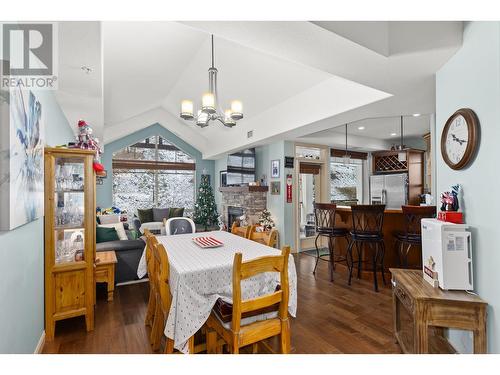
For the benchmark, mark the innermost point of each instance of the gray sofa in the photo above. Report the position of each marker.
(128, 253)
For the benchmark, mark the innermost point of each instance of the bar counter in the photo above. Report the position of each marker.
(394, 221)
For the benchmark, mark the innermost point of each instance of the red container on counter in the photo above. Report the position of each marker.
(451, 217)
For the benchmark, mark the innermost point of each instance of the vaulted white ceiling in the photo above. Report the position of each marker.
(294, 78)
(80, 92)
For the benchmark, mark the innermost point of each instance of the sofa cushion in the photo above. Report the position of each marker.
(160, 213)
(120, 230)
(145, 216)
(120, 245)
(176, 212)
(103, 234)
(108, 219)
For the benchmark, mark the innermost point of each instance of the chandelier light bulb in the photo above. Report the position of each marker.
(227, 117)
(237, 110)
(187, 110)
(202, 119)
(208, 103)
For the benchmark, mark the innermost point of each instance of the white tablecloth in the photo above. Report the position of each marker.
(198, 277)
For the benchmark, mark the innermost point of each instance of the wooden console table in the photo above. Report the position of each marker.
(420, 313)
(105, 270)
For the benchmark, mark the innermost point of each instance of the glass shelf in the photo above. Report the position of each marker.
(70, 227)
(69, 215)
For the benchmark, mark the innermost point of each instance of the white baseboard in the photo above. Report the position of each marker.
(145, 280)
(41, 343)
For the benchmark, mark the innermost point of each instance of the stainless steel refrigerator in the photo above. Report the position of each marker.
(389, 189)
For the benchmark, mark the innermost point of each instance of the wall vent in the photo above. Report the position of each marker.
(250, 134)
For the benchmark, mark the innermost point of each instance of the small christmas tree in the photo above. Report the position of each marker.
(265, 220)
(205, 210)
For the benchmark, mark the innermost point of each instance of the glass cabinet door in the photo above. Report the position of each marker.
(69, 209)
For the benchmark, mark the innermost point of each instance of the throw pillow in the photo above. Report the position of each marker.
(120, 230)
(176, 212)
(155, 228)
(108, 219)
(103, 234)
(145, 216)
(160, 213)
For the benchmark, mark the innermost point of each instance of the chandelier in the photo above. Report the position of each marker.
(210, 110)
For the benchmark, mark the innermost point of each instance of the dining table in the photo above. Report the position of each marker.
(200, 276)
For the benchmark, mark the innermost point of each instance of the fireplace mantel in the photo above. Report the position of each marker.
(243, 189)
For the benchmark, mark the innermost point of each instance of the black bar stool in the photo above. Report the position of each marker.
(324, 214)
(412, 237)
(367, 221)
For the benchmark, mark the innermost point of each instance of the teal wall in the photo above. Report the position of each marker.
(105, 191)
(281, 211)
(471, 78)
(22, 261)
(220, 165)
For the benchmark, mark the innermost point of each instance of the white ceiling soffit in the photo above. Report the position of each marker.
(378, 133)
(397, 37)
(80, 93)
(156, 115)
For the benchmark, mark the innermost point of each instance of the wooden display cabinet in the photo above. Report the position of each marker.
(69, 236)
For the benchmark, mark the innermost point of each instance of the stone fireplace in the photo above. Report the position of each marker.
(243, 200)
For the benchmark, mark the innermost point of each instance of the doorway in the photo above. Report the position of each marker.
(309, 191)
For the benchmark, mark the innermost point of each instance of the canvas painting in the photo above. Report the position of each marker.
(23, 189)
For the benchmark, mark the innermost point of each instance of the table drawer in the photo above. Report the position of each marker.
(403, 296)
(101, 275)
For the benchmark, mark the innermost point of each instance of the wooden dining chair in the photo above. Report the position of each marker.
(238, 333)
(150, 241)
(162, 293)
(268, 238)
(241, 231)
(163, 303)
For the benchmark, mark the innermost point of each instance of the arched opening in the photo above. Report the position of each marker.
(153, 173)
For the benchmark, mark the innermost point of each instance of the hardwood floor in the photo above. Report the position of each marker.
(331, 318)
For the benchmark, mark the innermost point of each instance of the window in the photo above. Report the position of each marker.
(153, 173)
(346, 181)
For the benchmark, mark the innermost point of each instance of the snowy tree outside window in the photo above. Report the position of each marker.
(346, 182)
(142, 179)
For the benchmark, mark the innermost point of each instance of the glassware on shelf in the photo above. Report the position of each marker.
(70, 247)
(69, 210)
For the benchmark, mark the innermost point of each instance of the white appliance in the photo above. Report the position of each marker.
(447, 254)
(389, 189)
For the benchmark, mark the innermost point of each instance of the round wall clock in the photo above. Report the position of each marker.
(459, 140)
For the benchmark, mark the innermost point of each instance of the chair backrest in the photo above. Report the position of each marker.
(162, 269)
(269, 238)
(245, 270)
(150, 263)
(368, 218)
(179, 225)
(241, 231)
(414, 215)
(324, 215)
